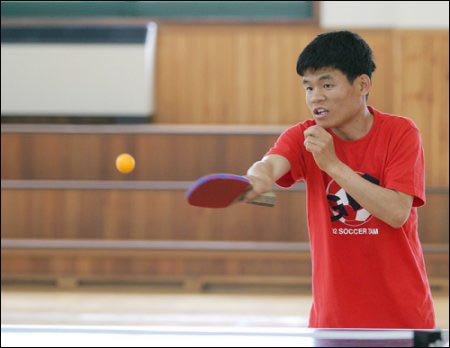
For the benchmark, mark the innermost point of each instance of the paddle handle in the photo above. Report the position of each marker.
(265, 199)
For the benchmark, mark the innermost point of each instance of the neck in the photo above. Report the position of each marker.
(357, 127)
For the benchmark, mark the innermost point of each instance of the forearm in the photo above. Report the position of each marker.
(264, 173)
(385, 204)
(262, 170)
(270, 168)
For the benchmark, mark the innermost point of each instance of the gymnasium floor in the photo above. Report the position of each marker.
(149, 307)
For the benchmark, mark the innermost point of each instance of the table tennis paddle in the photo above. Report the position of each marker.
(221, 190)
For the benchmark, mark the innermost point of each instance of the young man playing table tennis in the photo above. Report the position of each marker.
(364, 173)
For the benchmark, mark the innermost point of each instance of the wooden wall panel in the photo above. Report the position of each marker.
(170, 263)
(146, 215)
(163, 156)
(195, 270)
(433, 219)
(165, 215)
(56, 156)
(420, 88)
(245, 74)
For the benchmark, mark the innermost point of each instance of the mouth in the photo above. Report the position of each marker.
(320, 113)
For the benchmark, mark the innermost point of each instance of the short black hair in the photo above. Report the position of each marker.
(342, 50)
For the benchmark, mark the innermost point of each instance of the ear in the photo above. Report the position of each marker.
(364, 84)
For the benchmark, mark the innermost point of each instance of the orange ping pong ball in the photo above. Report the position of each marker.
(125, 163)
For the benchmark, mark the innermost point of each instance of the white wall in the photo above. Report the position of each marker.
(79, 79)
(384, 14)
(75, 80)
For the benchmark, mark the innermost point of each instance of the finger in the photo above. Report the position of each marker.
(315, 141)
(314, 148)
(251, 193)
(249, 196)
(313, 130)
(309, 132)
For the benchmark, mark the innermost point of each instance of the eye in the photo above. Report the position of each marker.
(308, 88)
(328, 86)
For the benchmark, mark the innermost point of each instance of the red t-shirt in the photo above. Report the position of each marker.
(366, 274)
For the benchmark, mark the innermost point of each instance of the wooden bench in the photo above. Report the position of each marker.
(186, 265)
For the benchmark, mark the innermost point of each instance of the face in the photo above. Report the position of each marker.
(334, 102)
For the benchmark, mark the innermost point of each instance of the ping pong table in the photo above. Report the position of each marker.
(167, 336)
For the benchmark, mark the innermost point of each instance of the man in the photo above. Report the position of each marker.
(364, 173)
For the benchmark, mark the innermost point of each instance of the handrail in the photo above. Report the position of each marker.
(151, 245)
(10, 243)
(146, 129)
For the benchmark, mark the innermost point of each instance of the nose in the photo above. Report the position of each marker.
(316, 96)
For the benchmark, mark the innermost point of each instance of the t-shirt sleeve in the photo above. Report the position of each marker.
(289, 145)
(404, 171)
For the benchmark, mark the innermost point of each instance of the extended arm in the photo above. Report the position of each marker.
(264, 173)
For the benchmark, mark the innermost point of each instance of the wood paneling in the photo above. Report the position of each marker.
(420, 89)
(433, 219)
(56, 156)
(160, 154)
(147, 215)
(162, 218)
(165, 215)
(245, 74)
(193, 269)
